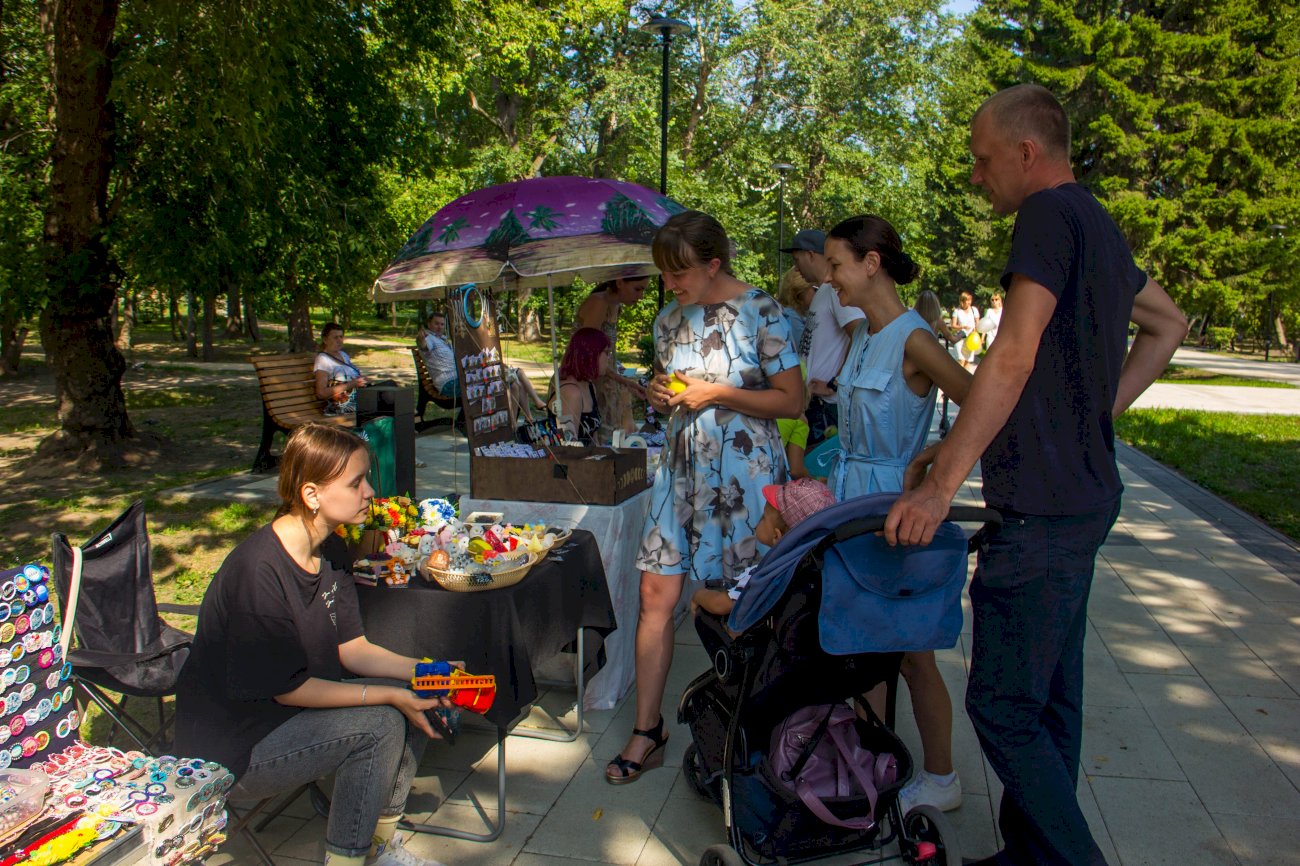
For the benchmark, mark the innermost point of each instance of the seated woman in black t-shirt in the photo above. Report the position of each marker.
(263, 690)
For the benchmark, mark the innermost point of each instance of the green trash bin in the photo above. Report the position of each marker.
(378, 434)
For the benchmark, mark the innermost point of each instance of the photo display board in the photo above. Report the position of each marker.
(489, 417)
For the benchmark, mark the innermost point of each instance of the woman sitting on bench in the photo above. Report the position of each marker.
(337, 378)
(264, 691)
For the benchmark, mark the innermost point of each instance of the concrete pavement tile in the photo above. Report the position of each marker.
(1289, 611)
(1100, 832)
(527, 859)
(1275, 725)
(689, 661)
(238, 849)
(556, 707)
(1261, 841)
(1159, 823)
(1270, 587)
(1228, 769)
(1145, 652)
(1122, 741)
(1104, 684)
(1236, 670)
(974, 823)
(684, 829)
(593, 820)
(1278, 644)
(1111, 604)
(537, 771)
(519, 827)
(306, 843)
(1189, 623)
(1241, 607)
(431, 788)
(966, 756)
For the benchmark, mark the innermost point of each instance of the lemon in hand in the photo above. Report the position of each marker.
(677, 386)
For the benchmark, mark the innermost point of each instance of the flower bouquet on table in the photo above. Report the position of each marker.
(379, 551)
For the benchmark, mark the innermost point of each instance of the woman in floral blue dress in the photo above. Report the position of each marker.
(725, 369)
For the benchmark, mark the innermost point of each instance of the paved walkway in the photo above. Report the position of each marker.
(1192, 729)
(1228, 365)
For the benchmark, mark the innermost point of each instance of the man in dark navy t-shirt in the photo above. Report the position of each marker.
(1040, 413)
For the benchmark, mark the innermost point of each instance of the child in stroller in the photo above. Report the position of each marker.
(787, 505)
(826, 616)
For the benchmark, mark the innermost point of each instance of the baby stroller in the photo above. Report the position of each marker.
(826, 617)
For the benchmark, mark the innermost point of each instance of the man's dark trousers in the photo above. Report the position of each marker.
(1025, 695)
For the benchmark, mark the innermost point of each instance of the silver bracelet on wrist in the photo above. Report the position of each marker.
(363, 694)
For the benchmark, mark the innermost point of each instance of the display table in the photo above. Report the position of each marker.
(563, 604)
(617, 530)
(506, 632)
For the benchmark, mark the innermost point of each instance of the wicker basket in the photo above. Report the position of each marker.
(561, 536)
(464, 581)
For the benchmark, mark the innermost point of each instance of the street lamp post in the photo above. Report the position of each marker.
(666, 28)
(781, 168)
(1277, 230)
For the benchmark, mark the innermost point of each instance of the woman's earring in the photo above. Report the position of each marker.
(315, 511)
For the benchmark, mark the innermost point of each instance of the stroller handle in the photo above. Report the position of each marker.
(990, 519)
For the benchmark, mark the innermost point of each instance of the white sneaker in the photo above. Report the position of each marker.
(397, 855)
(926, 790)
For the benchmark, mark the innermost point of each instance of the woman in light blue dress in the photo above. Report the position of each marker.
(886, 394)
(725, 369)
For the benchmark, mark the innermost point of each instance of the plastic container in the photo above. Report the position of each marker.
(22, 797)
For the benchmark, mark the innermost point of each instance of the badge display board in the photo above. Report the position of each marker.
(489, 417)
(37, 713)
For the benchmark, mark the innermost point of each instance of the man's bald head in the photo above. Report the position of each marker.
(1029, 111)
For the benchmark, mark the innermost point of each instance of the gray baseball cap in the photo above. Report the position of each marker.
(809, 240)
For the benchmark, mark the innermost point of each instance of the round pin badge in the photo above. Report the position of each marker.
(28, 692)
(21, 583)
(44, 708)
(5, 760)
(16, 751)
(29, 747)
(56, 701)
(42, 740)
(45, 658)
(34, 573)
(58, 631)
(74, 717)
(8, 677)
(47, 639)
(4, 611)
(17, 650)
(43, 597)
(30, 717)
(62, 729)
(29, 598)
(6, 632)
(24, 674)
(8, 590)
(16, 725)
(21, 624)
(13, 701)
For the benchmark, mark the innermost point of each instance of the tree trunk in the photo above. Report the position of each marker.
(209, 321)
(191, 325)
(174, 316)
(75, 325)
(234, 321)
(301, 338)
(126, 320)
(250, 319)
(12, 337)
(1279, 329)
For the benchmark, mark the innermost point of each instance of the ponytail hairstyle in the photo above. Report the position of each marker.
(870, 233)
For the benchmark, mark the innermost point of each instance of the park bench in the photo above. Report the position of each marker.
(289, 400)
(428, 393)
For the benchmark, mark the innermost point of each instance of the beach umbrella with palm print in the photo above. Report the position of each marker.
(531, 233)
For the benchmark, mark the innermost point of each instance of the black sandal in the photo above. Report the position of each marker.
(630, 771)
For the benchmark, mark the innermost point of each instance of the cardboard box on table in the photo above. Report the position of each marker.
(577, 474)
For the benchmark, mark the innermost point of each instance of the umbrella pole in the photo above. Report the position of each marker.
(555, 363)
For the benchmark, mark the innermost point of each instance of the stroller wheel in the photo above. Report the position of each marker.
(929, 838)
(721, 855)
(696, 776)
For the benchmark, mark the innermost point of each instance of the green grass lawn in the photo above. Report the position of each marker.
(1253, 461)
(1178, 375)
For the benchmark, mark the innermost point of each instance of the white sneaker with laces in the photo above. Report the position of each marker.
(926, 790)
(397, 855)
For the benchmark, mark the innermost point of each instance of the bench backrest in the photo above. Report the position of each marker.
(288, 387)
(422, 370)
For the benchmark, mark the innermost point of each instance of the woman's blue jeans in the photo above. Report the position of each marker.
(372, 751)
(1025, 694)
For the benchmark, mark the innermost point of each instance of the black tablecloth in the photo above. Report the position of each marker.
(506, 632)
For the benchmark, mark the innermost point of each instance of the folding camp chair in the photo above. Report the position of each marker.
(106, 598)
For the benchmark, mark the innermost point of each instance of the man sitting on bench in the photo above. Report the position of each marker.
(440, 359)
